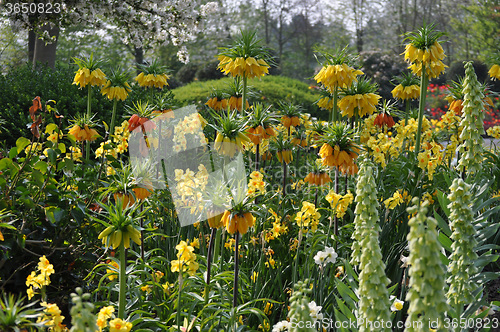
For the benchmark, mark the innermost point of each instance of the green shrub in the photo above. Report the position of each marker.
(270, 89)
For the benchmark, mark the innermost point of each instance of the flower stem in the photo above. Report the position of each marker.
(423, 93)
(113, 117)
(336, 219)
(244, 95)
(236, 270)
(122, 294)
(89, 97)
(333, 114)
(284, 174)
(178, 313)
(213, 233)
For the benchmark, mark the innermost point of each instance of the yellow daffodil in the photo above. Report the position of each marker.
(119, 325)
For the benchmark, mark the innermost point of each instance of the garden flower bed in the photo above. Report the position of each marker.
(242, 215)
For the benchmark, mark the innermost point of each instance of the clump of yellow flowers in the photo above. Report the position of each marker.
(41, 279)
(339, 203)
(186, 259)
(308, 216)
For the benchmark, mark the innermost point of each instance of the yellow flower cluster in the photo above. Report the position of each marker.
(186, 259)
(430, 57)
(190, 187)
(494, 72)
(152, 80)
(191, 124)
(116, 92)
(119, 325)
(406, 92)
(360, 104)
(37, 281)
(52, 317)
(256, 185)
(102, 317)
(121, 137)
(249, 67)
(308, 216)
(278, 227)
(33, 148)
(430, 158)
(333, 76)
(74, 154)
(339, 203)
(494, 132)
(397, 198)
(113, 270)
(85, 77)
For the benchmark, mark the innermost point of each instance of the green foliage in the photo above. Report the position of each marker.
(270, 89)
(15, 316)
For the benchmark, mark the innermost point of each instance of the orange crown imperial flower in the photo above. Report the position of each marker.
(83, 134)
(238, 222)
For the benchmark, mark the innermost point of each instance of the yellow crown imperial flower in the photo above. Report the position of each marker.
(116, 92)
(246, 59)
(359, 99)
(340, 75)
(152, 76)
(424, 49)
(88, 72)
(494, 72)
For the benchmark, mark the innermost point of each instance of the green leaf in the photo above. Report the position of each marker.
(443, 225)
(62, 147)
(21, 143)
(54, 214)
(445, 241)
(52, 155)
(37, 177)
(41, 166)
(50, 128)
(13, 153)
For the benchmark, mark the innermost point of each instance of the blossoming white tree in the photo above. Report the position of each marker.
(170, 21)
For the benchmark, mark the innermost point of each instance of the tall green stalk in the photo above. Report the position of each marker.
(244, 94)
(122, 282)
(333, 114)
(113, 117)
(89, 98)
(178, 313)
(423, 94)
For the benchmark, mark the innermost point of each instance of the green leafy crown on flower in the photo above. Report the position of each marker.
(424, 37)
(247, 45)
(407, 79)
(338, 57)
(341, 134)
(90, 63)
(363, 86)
(119, 77)
(154, 68)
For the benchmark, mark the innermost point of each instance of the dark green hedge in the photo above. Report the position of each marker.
(269, 89)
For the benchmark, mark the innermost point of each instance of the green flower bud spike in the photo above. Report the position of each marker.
(366, 212)
(299, 308)
(426, 293)
(461, 268)
(472, 122)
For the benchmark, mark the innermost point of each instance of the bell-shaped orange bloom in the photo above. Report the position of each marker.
(238, 222)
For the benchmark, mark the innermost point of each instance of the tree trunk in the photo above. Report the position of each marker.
(139, 57)
(46, 53)
(31, 45)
